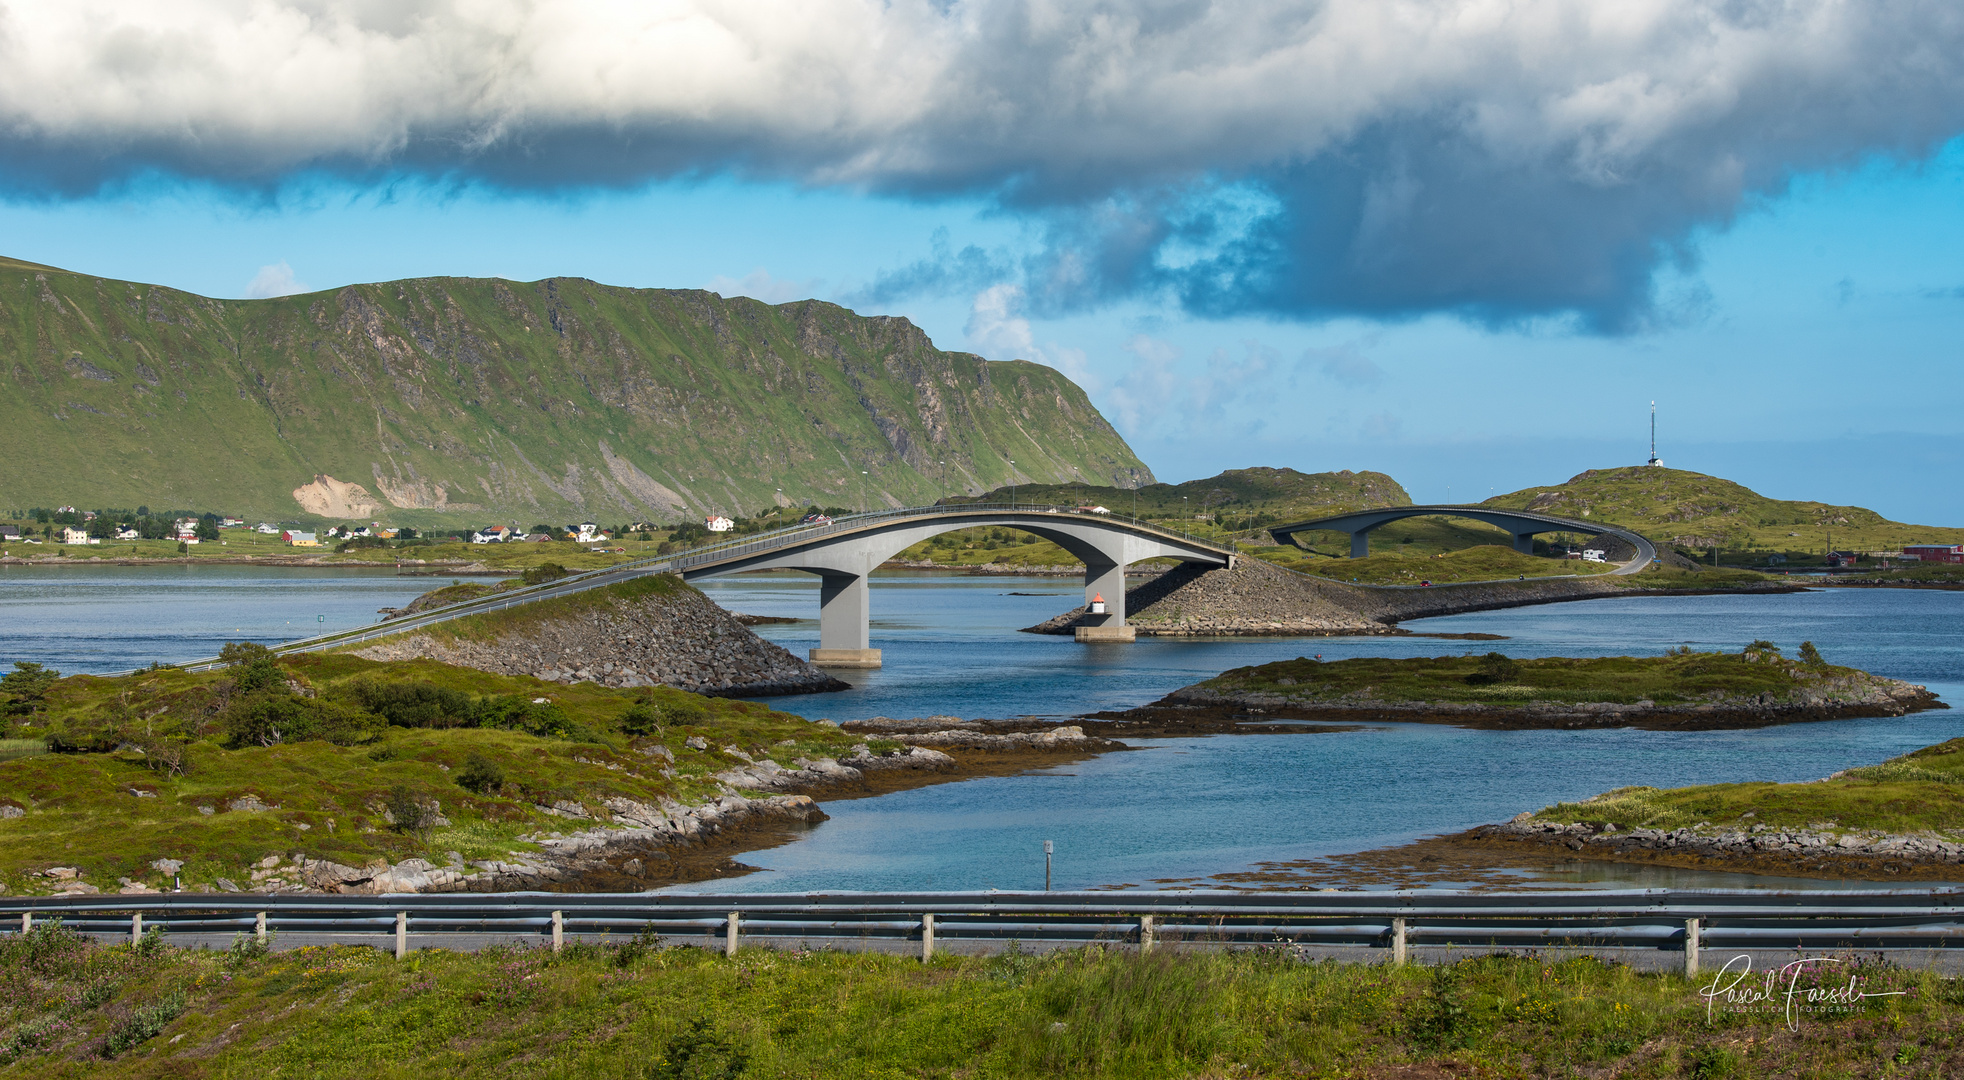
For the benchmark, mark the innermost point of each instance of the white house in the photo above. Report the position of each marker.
(128, 534)
(70, 535)
(269, 530)
(718, 523)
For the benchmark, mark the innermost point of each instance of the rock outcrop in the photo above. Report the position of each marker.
(623, 635)
(1760, 848)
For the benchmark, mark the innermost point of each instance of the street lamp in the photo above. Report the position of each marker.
(1012, 481)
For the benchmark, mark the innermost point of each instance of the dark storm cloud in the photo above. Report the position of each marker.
(1499, 159)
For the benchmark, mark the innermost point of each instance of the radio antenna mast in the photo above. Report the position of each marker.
(1654, 459)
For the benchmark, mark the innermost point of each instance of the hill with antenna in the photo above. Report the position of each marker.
(1692, 510)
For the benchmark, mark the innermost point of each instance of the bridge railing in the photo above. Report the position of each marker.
(1371, 925)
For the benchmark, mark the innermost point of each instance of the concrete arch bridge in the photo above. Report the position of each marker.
(844, 553)
(1523, 525)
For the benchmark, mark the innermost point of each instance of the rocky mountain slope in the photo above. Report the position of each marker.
(437, 400)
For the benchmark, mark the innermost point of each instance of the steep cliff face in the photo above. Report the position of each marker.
(446, 396)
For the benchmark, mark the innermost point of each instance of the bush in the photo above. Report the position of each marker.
(411, 814)
(479, 775)
(254, 667)
(142, 1025)
(27, 685)
(1810, 655)
(268, 719)
(416, 705)
(1494, 668)
(544, 572)
(641, 719)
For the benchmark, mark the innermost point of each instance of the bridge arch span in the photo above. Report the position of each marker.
(1523, 525)
(844, 555)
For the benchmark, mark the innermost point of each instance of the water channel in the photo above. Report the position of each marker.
(1174, 810)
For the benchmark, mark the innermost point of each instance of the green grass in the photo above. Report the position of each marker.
(1695, 511)
(627, 1010)
(1234, 502)
(500, 396)
(1920, 791)
(81, 811)
(1396, 567)
(493, 625)
(1677, 678)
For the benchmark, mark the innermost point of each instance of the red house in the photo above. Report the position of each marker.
(1951, 553)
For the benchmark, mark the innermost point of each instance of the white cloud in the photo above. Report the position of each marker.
(1377, 156)
(274, 280)
(760, 285)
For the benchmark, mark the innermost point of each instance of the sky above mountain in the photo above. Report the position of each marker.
(1466, 243)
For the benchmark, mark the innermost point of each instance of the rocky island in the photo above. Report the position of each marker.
(1680, 690)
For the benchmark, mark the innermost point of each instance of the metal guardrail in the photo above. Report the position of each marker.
(693, 559)
(1666, 921)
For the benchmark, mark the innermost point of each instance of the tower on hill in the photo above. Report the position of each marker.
(1654, 459)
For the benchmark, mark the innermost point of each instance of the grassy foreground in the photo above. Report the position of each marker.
(634, 1009)
(1676, 678)
(154, 763)
(1922, 791)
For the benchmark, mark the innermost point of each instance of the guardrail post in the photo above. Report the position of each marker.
(1690, 948)
(558, 930)
(136, 928)
(259, 927)
(402, 934)
(927, 937)
(26, 922)
(730, 935)
(1147, 927)
(1398, 942)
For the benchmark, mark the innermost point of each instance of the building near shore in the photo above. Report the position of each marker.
(1941, 553)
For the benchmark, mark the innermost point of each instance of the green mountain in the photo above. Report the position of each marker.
(1688, 509)
(448, 400)
(1237, 498)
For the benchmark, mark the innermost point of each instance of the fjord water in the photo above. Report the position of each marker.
(1183, 809)
(1175, 808)
(95, 619)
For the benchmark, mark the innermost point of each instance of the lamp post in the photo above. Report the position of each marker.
(1012, 481)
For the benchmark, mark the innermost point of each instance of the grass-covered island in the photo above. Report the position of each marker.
(1682, 689)
(1901, 819)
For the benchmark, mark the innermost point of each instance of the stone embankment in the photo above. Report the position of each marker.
(1838, 698)
(1254, 598)
(1815, 850)
(952, 732)
(678, 638)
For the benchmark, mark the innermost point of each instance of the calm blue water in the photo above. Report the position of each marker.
(113, 618)
(1174, 809)
(1188, 808)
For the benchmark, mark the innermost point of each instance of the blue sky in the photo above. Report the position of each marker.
(1472, 306)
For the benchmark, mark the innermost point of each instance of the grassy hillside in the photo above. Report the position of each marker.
(448, 400)
(1692, 510)
(1236, 500)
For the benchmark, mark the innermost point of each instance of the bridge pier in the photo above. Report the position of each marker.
(1524, 543)
(1104, 578)
(1360, 544)
(844, 619)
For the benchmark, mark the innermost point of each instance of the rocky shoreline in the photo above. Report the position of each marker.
(677, 637)
(1874, 696)
(1816, 851)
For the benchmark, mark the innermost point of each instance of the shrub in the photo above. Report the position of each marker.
(268, 719)
(1494, 668)
(412, 814)
(1810, 655)
(254, 667)
(641, 718)
(415, 705)
(142, 1025)
(27, 685)
(544, 572)
(479, 775)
